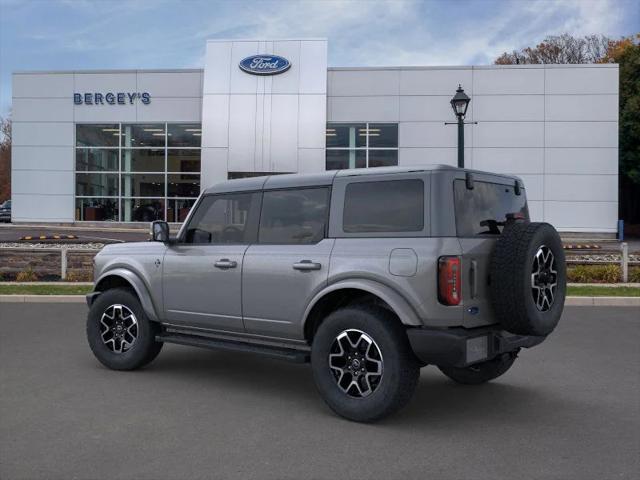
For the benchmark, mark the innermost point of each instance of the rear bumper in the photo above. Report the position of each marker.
(460, 347)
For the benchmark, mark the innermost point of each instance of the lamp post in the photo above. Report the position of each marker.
(460, 103)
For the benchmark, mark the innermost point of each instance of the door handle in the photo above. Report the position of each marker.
(225, 263)
(306, 265)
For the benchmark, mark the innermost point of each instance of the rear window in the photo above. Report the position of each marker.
(384, 206)
(483, 210)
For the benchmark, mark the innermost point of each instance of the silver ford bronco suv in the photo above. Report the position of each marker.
(368, 274)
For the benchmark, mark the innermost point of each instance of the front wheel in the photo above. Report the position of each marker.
(481, 372)
(119, 333)
(362, 363)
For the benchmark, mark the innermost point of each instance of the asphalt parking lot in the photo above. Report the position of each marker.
(568, 409)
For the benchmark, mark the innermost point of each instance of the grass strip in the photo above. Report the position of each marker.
(597, 291)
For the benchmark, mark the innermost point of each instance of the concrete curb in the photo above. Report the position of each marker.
(603, 301)
(570, 301)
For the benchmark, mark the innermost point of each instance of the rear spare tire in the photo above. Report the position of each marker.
(528, 278)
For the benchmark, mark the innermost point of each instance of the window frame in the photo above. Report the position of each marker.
(253, 220)
(325, 233)
(336, 219)
(366, 148)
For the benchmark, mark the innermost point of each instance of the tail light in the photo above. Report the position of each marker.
(449, 280)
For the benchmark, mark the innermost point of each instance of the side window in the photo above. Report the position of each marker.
(483, 210)
(223, 219)
(294, 216)
(384, 206)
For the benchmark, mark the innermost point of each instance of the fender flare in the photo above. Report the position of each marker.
(397, 302)
(138, 285)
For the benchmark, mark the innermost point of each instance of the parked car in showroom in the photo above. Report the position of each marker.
(368, 274)
(5, 211)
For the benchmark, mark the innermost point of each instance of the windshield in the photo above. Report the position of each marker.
(483, 210)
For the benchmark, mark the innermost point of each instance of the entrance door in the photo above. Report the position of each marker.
(202, 275)
(290, 262)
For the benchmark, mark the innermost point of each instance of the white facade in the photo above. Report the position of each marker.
(556, 126)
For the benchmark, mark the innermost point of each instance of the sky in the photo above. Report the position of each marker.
(110, 34)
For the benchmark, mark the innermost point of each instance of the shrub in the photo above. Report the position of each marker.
(634, 274)
(594, 273)
(80, 276)
(27, 275)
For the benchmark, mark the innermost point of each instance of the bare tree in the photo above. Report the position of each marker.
(5, 159)
(563, 48)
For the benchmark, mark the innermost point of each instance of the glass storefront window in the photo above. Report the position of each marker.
(178, 209)
(346, 135)
(105, 135)
(139, 167)
(96, 184)
(184, 135)
(96, 209)
(143, 135)
(143, 160)
(186, 161)
(361, 145)
(142, 209)
(96, 160)
(344, 159)
(143, 185)
(181, 185)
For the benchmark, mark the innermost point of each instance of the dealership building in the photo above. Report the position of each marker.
(136, 145)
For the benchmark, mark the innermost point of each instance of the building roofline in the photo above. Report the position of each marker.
(104, 71)
(479, 67)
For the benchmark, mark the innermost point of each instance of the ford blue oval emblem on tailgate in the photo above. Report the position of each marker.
(265, 64)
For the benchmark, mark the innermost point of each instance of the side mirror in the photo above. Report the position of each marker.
(160, 231)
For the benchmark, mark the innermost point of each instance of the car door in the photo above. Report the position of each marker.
(202, 272)
(290, 262)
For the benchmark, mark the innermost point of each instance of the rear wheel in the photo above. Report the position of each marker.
(119, 333)
(481, 372)
(362, 363)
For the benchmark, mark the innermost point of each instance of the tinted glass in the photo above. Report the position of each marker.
(147, 135)
(96, 209)
(96, 184)
(383, 158)
(344, 159)
(383, 135)
(224, 219)
(183, 185)
(142, 209)
(104, 135)
(143, 185)
(184, 135)
(146, 160)
(96, 159)
(346, 135)
(183, 161)
(387, 206)
(483, 210)
(294, 216)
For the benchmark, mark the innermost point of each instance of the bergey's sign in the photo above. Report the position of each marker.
(265, 64)
(110, 98)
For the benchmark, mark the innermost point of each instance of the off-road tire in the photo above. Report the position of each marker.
(511, 292)
(480, 372)
(400, 367)
(142, 351)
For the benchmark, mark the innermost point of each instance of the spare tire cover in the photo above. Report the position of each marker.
(528, 278)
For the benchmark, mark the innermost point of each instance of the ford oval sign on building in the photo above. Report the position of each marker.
(265, 64)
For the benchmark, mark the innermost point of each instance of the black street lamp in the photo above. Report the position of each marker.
(460, 103)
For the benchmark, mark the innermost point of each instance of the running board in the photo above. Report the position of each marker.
(288, 354)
